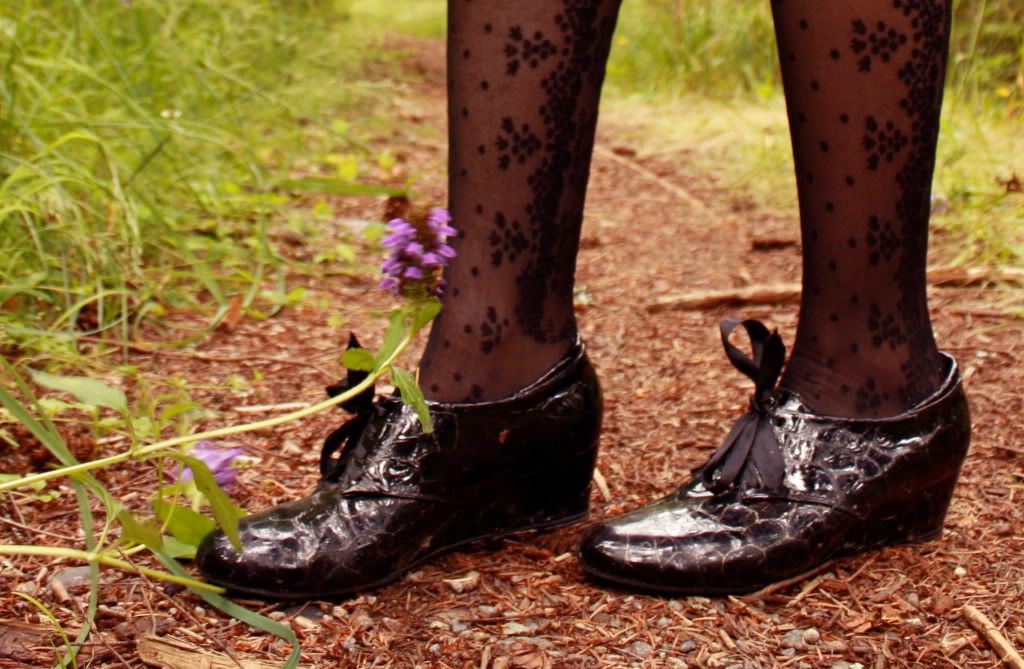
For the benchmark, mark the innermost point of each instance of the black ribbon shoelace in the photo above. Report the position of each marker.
(750, 457)
(361, 406)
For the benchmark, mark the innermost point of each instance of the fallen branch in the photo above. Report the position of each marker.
(788, 293)
(602, 485)
(972, 276)
(1004, 649)
(169, 653)
(782, 585)
(777, 293)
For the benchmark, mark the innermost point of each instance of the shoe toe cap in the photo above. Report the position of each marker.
(670, 550)
(271, 562)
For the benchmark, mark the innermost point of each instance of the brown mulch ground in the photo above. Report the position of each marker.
(670, 393)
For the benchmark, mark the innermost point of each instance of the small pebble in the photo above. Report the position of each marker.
(793, 639)
(642, 649)
(811, 636)
(914, 600)
(72, 576)
(466, 583)
(276, 615)
(339, 612)
(675, 605)
(960, 571)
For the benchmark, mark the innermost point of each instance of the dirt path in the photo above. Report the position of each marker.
(670, 394)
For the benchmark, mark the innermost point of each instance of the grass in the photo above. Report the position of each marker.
(704, 78)
(143, 146)
(147, 148)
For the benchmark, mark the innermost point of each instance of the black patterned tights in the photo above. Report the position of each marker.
(524, 79)
(863, 82)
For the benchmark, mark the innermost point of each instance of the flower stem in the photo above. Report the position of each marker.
(104, 559)
(145, 451)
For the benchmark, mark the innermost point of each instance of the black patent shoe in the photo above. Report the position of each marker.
(396, 496)
(789, 489)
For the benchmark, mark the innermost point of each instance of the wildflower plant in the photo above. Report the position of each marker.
(190, 499)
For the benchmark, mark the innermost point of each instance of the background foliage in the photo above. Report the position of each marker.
(145, 145)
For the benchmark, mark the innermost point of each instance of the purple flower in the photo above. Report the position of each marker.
(417, 253)
(217, 458)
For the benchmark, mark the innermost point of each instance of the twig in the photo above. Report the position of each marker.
(782, 585)
(678, 191)
(787, 293)
(970, 276)
(777, 293)
(806, 590)
(176, 654)
(602, 485)
(1003, 648)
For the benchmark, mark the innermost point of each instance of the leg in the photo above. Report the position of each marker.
(863, 85)
(795, 482)
(524, 83)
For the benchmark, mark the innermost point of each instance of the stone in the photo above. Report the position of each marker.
(72, 576)
(466, 583)
(811, 636)
(641, 649)
(793, 639)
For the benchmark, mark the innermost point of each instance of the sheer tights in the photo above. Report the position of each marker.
(863, 82)
(523, 87)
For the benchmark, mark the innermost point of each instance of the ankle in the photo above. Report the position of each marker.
(455, 372)
(873, 386)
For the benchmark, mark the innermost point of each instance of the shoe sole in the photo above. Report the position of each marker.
(716, 592)
(396, 576)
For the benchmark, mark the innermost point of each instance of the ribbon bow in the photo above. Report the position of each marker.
(750, 454)
(361, 406)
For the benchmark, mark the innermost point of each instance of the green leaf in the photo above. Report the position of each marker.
(412, 395)
(188, 526)
(426, 312)
(179, 550)
(140, 531)
(358, 359)
(177, 409)
(86, 390)
(392, 337)
(225, 512)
